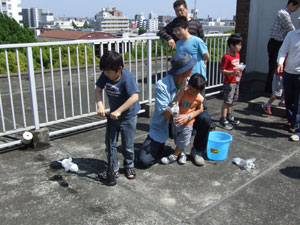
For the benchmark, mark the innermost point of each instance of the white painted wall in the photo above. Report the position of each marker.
(262, 13)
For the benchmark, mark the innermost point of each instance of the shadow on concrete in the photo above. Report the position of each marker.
(258, 128)
(249, 113)
(90, 166)
(291, 172)
(261, 129)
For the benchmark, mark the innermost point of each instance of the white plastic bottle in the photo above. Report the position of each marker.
(175, 110)
(69, 165)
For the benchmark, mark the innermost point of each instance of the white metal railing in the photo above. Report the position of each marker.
(59, 81)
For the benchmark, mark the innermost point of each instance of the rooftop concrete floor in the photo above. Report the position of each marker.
(217, 193)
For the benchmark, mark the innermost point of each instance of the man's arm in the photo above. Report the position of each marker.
(196, 29)
(166, 34)
(201, 31)
(282, 52)
(162, 100)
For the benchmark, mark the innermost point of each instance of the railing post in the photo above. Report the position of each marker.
(33, 88)
(149, 70)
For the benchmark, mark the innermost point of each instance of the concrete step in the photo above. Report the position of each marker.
(256, 105)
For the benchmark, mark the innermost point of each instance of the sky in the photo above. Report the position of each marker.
(225, 9)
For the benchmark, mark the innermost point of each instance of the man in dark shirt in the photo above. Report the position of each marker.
(195, 27)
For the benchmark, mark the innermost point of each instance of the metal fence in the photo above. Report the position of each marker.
(51, 84)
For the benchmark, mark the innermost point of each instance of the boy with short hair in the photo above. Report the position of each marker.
(232, 73)
(122, 92)
(190, 101)
(193, 45)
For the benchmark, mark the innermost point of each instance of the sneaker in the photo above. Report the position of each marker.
(225, 124)
(182, 158)
(294, 137)
(198, 159)
(168, 160)
(232, 120)
(267, 109)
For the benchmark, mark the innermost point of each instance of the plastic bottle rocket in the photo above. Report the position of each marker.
(69, 165)
(175, 109)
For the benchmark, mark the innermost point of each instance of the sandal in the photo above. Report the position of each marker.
(60, 180)
(294, 137)
(103, 175)
(130, 173)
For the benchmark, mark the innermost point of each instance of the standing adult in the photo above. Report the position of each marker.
(282, 24)
(291, 79)
(165, 94)
(195, 27)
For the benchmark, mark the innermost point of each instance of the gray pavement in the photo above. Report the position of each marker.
(217, 193)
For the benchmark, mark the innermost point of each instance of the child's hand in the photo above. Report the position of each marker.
(101, 111)
(237, 73)
(115, 115)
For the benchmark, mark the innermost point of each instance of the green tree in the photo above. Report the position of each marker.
(74, 25)
(142, 30)
(86, 25)
(229, 31)
(11, 32)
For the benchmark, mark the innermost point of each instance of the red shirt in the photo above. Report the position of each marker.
(230, 63)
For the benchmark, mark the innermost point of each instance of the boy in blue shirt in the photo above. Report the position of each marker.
(193, 45)
(122, 92)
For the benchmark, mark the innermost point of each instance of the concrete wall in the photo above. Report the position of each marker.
(261, 17)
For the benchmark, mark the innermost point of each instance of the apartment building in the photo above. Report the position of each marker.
(12, 8)
(150, 24)
(111, 22)
(32, 17)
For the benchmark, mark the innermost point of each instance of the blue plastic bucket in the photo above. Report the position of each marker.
(218, 145)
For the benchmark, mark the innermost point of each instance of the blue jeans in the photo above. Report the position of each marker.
(127, 128)
(149, 153)
(151, 150)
